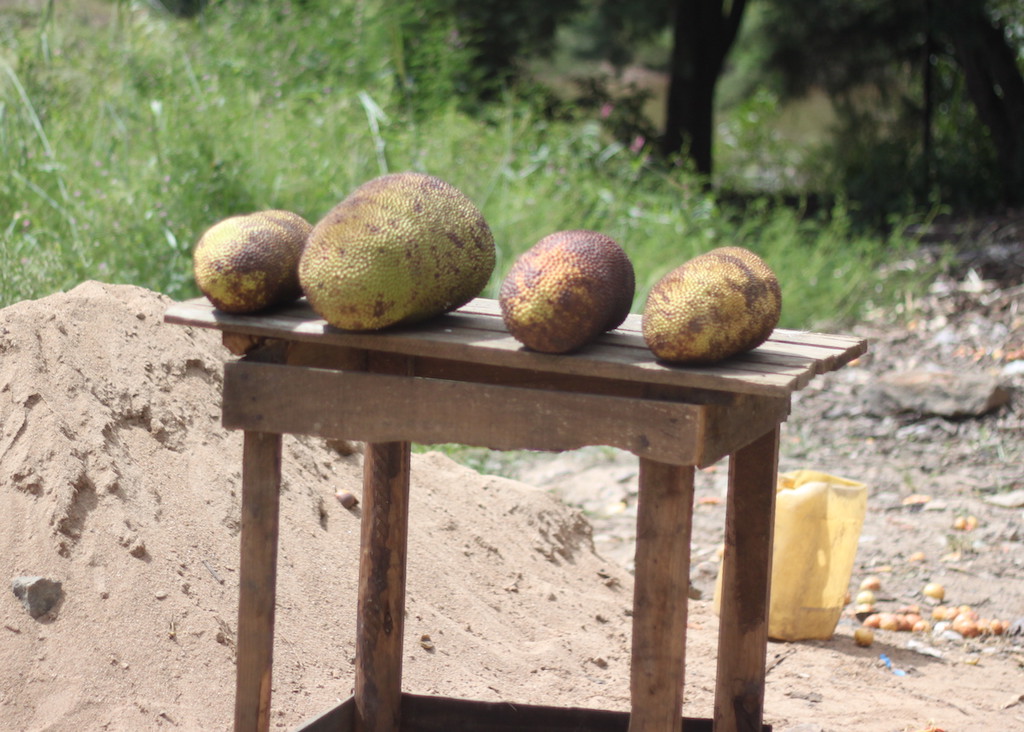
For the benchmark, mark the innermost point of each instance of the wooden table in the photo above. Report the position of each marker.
(462, 378)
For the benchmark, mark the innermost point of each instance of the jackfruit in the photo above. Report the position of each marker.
(400, 248)
(250, 262)
(566, 290)
(714, 306)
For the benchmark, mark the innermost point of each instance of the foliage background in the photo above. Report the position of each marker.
(126, 131)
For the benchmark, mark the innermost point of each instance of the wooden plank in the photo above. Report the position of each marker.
(482, 306)
(746, 576)
(629, 351)
(736, 426)
(633, 325)
(439, 714)
(534, 379)
(834, 340)
(660, 593)
(380, 618)
(261, 480)
(382, 408)
(319, 355)
(336, 719)
(816, 359)
(629, 347)
(446, 714)
(820, 351)
(619, 355)
(814, 355)
(479, 315)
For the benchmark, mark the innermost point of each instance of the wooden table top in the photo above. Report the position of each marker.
(476, 334)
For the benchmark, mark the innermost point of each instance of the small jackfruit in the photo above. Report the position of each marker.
(250, 262)
(566, 290)
(714, 306)
(400, 248)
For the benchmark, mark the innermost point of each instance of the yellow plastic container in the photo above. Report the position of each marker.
(818, 518)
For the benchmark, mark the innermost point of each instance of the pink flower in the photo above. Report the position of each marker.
(606, 110)
(638, 144)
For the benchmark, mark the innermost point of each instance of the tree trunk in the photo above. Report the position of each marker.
(996, 87)
(184, 8)
(928, 88)
(702, 36)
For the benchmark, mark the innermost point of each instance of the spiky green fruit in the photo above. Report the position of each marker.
(714, 306)
(401, 248)
(250, 262)
(566, 290)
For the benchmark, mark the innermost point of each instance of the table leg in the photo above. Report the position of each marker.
(261, 481)
(382, 566)
(746, 577)
(660, 595)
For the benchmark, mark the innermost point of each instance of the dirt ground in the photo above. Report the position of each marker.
(117, 480)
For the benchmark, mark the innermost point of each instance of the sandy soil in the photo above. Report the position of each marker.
(117, 480)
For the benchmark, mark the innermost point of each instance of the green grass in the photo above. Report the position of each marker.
(503, 463)
(122, 141)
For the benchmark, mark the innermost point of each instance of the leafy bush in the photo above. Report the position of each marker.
(114, 176)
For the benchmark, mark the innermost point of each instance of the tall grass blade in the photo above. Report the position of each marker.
(374, 117)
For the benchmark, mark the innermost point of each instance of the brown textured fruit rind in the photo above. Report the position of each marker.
(247, 263)
(566, 290)
(399, 249)
(714, 306)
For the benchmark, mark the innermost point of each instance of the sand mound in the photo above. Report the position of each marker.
(117, 480)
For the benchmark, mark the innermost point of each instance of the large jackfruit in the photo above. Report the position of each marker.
(714, 306)
(400, 248)
(250, 262)
(566, 290)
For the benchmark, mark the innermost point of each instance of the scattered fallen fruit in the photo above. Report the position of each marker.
(965, 523)
(943, 612)
(967, 611)
(908, 620)
(966, 627)
(863, 637)
(962, 620)
(888, 621)
(935, 591)
(872, 583)
(916, 499)
(865, 597)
